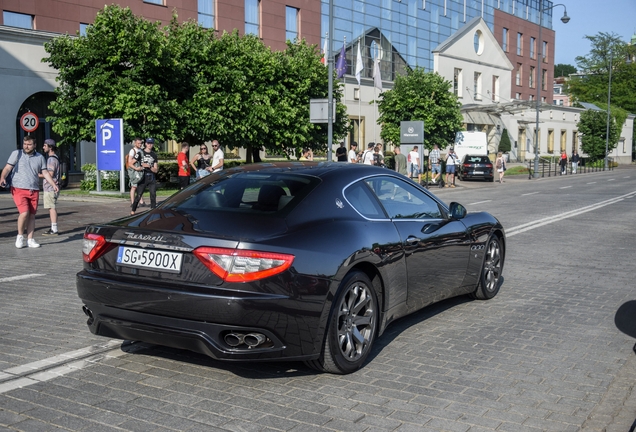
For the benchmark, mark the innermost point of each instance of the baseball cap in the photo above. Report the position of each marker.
(150, 140)
(49, 142)
(452, 149)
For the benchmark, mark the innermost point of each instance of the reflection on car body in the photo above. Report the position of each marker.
(298, 261)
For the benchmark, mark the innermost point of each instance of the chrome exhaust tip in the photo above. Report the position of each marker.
(254, 339)
(89, 314)
(234, 339)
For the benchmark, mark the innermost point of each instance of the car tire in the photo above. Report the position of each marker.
(491, 180)
(352, 326)
(491, 271)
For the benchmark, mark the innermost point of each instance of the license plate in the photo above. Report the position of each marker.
(149, 258)
(478, 172)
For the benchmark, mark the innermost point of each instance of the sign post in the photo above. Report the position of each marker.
(29, 122)
(412, 132)
(110, 149)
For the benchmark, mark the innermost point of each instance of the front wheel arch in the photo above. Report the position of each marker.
(490, 275)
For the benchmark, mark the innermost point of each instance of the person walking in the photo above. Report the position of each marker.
(184, 165)
(50, 195)
(201, 162)
(451, 161)
(500, 164)
(149, 161)
(434, 159)
(414, 160)
(563, 162)
(25, 166)
(400, 162)
(217, 157)
(135, 172)
(575, 161)
(353, 153)
(341, 153)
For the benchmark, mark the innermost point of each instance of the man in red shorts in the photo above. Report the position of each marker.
(25, 166)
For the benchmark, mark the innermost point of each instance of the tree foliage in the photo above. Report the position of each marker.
(183, 82)
(593, 127)
(421, 96)
(593, 84)
(504, 143)
(563, 70)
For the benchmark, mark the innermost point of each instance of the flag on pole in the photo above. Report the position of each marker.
(377, 79)
(359, 66)
(323, 60)
(341, 64)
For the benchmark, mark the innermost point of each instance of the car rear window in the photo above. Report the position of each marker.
(254, 192)
(477, 159)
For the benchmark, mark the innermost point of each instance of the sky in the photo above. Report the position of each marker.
(589, 17)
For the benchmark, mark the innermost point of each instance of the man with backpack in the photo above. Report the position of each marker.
(50, 195)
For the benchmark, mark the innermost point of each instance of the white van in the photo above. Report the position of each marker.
(470, 142)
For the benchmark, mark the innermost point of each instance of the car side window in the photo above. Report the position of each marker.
(362, 199)
(402, 200)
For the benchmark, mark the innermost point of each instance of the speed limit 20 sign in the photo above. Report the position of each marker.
(29, 122)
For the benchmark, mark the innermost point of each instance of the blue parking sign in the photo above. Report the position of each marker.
(110, 144)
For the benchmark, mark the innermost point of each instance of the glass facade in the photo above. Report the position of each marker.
(405, 32)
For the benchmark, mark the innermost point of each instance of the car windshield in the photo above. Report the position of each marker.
(253, 192)
(477, 159)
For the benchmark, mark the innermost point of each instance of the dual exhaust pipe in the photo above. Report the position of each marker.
(252, 340)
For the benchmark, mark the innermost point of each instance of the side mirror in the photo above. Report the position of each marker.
(457, 211)
(625, 318)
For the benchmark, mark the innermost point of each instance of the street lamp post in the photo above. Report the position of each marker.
(539, 81)
(609, 95)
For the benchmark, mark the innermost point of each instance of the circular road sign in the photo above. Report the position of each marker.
(29, 122)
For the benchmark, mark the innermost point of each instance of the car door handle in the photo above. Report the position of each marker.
(411, 240)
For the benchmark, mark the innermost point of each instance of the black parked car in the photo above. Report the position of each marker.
(476, 167)
(298, 261)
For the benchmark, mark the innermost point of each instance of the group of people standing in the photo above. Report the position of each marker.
(143, 164)
(22, 172)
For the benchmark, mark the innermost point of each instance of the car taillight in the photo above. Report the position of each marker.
(467, 165)
(235, 265)
(489, 165)
(93, 246)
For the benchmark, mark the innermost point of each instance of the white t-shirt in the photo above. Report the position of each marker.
(415, 157)
(216, 158)
(353, 158)
(367, 157)
(132, 153)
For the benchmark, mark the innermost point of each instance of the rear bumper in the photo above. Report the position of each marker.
(130, 312)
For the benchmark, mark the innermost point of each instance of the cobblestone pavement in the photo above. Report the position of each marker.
(543, 355)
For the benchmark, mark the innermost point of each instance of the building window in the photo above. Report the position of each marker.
(531, 97)
(82, 29)
(532, 46)
(531, 77)
(13, 19)
(477, 85)
(505, 39)
(544, 79)
(478, 42)
(205, 9)
(252, 13)
(291, 23)
(518, 76)
(544, 51)
(518, 96)
(519, 44)
(495, 88)
(458, 82)
(550, 140)
(159, 2)
(574, 141)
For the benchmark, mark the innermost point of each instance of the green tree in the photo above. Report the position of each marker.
(504, 143)
(117, 71)
(183, 82)
(592, 84)
(593, 127)
(563, 70)
(421, 96)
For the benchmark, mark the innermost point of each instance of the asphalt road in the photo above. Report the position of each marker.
(544, 355)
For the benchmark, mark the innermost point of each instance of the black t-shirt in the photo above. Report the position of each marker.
(147, 158)
(341, 154)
